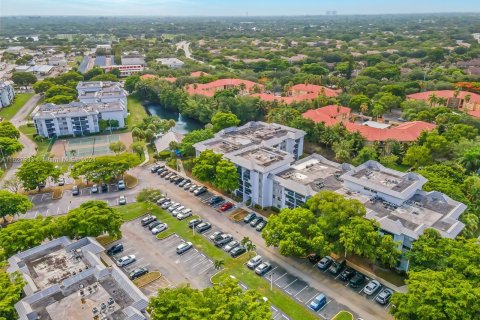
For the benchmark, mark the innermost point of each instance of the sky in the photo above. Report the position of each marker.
(229, 7)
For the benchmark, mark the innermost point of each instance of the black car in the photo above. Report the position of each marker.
(357, 280)
(154, 168)
(117, 248)
(200, 191)
(235, 252)
(250, 217)
(161, 170)
(137, 273)
(215, 200)
(178, 180)
(261, 225)
(194, 222)
(223, 240)
(347, 274)
(324, 263)
(147, 220)
(202, 227)
(256, 221)
(104, 187)
(314, 258)
(337, 267)
(153, 224)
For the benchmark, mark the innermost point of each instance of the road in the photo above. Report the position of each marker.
(28, 145)
(185, 46)
(298, 268)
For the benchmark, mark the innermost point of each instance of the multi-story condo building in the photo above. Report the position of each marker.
(101, 91)
(271, 174)
(7, 94)
(76, 118)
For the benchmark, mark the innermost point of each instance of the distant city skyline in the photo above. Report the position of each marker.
(228, 8)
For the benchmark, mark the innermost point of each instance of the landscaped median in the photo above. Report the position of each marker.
(147, 279)
(235, 267)
(343, 315)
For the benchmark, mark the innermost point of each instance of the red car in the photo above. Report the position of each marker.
(226, 206)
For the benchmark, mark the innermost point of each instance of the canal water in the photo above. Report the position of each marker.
(182, 124)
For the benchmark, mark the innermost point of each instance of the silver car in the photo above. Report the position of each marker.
(167, 204)
(178, 210)
(231, 245)
(184, 214)
(126, 260)
(254, 262)
(173, 206)
(161, 227)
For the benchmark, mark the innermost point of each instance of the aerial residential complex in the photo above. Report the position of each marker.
(271, 174)
(98, 101)
(7, 94)
(67, 280)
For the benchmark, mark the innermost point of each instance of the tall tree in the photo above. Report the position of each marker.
(104, 168)
(12, 204)
(8, 130)
(12, 289)
(117, 147)
(222, 120)
(360, 236)
(35, 171)
(205, 165)
(226, 175)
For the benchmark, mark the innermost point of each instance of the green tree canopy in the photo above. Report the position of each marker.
(186, 146)
(34, 171)
(117, 147)
(104, 168)
(222, 120)
(8, 130)
(226, 175)
(12, 289)
(9, 146)
(205, 165)
(23, 78)
(12, 203)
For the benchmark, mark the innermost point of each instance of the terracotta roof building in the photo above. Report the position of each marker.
(472, 106)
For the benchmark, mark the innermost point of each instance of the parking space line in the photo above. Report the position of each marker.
(289, 285)
(196, 254)
(205, 270)
(265, 275)
(280, 277)
(379, 290)
(363, 288)
(300, 291)
(198, 263)
(311, 298)
(388, 305)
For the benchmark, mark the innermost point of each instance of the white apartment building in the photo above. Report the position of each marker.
(75, 118)
(271, 174)
(172, 63)
(7, 93)
(102, 92)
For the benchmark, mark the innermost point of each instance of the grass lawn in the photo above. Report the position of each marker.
(232, 266)
(134, 210)
(20, 99)
(105, 240)
(41, 145)
(136, 110)
(343, 315)
(146, 279)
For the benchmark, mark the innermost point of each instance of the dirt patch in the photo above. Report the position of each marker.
(238, 215)
(130, 181)
(146, 279)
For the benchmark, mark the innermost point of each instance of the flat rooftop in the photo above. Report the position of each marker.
(385, 179)
(263, 156)
(54, 267)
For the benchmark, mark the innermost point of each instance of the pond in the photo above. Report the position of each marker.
(183, 124)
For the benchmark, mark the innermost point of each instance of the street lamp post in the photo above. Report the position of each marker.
(271, 280)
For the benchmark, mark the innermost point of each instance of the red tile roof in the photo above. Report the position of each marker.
(474, 113)
(475, 98)
(197, 74)
(314, 89)
(406, 132)
(148, 76)
(209, 89)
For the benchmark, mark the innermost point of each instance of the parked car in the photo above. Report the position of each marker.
(104, 187)
(165, 173)
(215, 235)
(154, 168)
(172, 178)
(137, 273)
(347, 274)
(200, 191)
(187, 186)
(232, 244)
(178, 210)
(384, 296)
(202, 227)
(324, 263)
(162, 200)
(95, 188)
(116, 248)
(314, 258)
(194, 222)
(147, 220)
(337, 267)
(192, 188)
(167, 204)
(184, 247)
(121, 185)
(168, 175)
(61, 181)
(41, 185)
(122, 200)
(256, 221)
(263, 268)
(161, 227)
(126, 260)
(153, 224)
(184, 214)
(357, 280)
(178, 180)
(75, 191)
(183, 183)
(371, 287)
(261, 225)
(215, 200)
(226, 206)
(318, 303)
(223, 240)
(251, 216)
(174, 206)
(161, 170)
(254, 262)
(237, 251)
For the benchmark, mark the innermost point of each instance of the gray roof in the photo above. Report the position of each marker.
(74, 109)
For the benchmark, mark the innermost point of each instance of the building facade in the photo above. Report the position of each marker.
(7, 93)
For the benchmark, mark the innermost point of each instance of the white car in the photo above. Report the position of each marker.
(254, 262)
(231, 245)
(178, 210)
(173, 206)
(126, 260)
(122, 200)
(184, 214)
(161, 227)
(371, 287)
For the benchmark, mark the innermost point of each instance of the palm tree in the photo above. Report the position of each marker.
(218, 264)
(442, 101)
(73, 152)
(432, 99)
(248, 244)
(456, 93)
